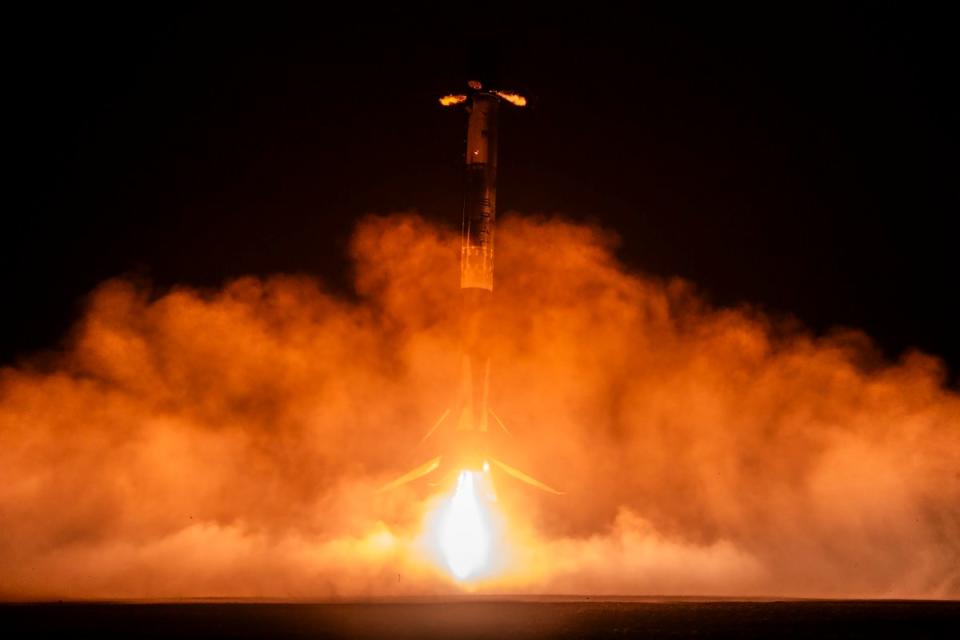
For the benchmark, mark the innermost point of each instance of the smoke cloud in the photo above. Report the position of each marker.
(230, 442)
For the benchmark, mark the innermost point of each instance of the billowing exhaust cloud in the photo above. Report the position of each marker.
(230, 442)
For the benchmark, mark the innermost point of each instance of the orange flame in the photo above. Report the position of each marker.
(452, 99)
(515, 99)
(465, 536)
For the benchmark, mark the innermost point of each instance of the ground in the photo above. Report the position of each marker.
(490, 618)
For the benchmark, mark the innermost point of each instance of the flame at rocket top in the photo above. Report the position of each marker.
(515, 99)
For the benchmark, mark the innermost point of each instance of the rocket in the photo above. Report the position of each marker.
(469, 446)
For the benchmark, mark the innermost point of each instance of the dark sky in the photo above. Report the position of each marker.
(802, 159)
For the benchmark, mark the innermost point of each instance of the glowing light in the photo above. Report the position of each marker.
(465, 533)
(452, 99)
(515, 99)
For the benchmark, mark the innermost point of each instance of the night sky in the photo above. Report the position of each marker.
(801, 159)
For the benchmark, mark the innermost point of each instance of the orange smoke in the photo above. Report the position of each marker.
(229, 442)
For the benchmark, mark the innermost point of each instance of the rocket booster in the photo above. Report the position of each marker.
(470, 412)
(480, 188)
(476, 259)
(480, 194)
